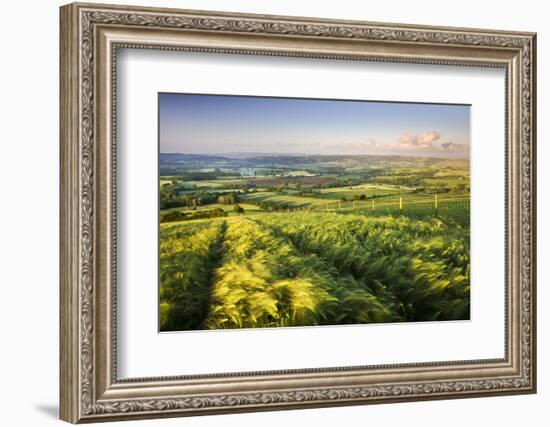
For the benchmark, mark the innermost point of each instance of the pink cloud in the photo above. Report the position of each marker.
(422, 144)
(424, 140)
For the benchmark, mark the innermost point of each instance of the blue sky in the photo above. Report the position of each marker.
(218, 124)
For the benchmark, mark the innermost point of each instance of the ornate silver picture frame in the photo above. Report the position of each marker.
(91, 34)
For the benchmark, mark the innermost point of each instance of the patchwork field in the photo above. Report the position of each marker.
(267, 241)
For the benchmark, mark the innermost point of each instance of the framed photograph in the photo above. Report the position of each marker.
(266, 212)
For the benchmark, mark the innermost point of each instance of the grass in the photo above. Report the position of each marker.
(311, 268)
(410, 199)
(448, 181)
(292, 259)
(184, 292)
(214, 183)
(283, 200)
(228, 208)
(368, 190)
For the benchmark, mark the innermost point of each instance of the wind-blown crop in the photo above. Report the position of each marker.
(303, 269)
(187, 256)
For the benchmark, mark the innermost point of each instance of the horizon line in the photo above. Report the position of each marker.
(312, 154)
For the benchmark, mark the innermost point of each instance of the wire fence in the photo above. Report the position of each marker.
(398, 204)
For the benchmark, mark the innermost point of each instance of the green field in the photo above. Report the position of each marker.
(220, 183)
(409, 199)
(303, 269)
(281, 240)
(286, 200)
(368, 190)
(228, 208)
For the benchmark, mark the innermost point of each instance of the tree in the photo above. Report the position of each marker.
(169, 197)
(227, 199)
(238, 209)
(460, 188)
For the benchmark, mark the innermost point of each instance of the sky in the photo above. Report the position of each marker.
(223, 124)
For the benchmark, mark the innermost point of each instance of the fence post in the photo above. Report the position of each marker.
(400, 203)
(339, 206)
(372, 204)
(435, 199)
